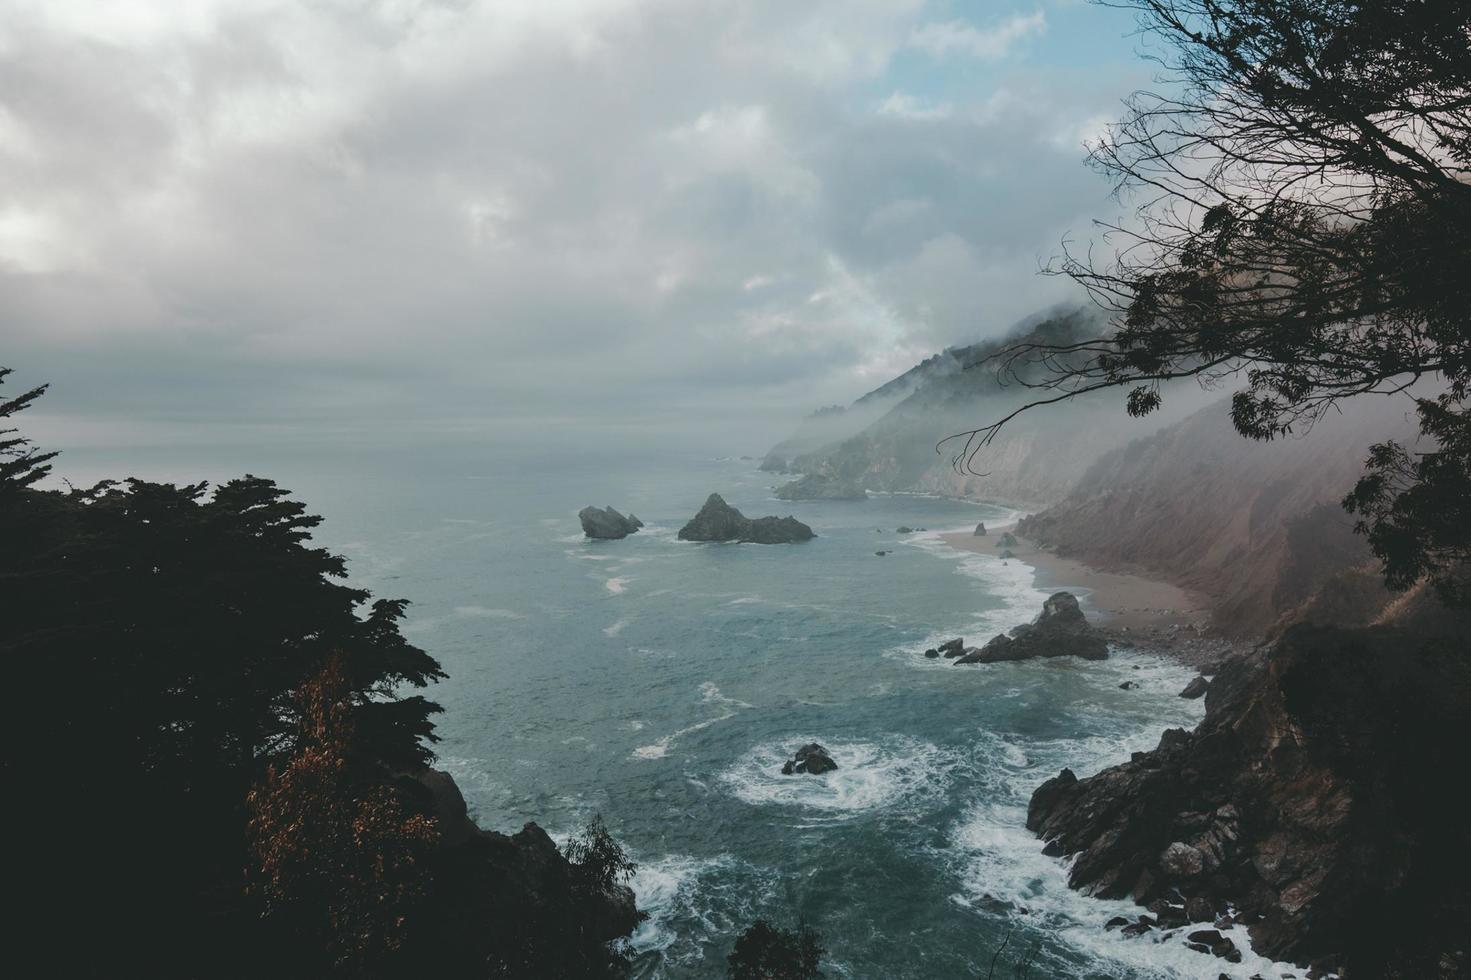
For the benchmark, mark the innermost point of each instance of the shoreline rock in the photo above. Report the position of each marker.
(719, 521)
(1311, 798)
(1060, 630)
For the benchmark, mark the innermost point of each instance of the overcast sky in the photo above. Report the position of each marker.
(530, 212)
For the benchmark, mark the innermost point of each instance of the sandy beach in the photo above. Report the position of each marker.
(1114, 599)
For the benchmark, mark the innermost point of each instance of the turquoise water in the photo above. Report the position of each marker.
(661, 683)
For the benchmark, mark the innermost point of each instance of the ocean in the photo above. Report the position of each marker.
(662, 683)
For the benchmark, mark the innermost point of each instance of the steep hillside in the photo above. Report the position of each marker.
(1255, 527)
(1036, 461)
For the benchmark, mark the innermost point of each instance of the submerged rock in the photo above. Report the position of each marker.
(1060, 630)
(811, 759)
(607, 524)
(719, 521)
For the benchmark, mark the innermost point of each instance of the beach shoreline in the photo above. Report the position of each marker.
(1118, 601)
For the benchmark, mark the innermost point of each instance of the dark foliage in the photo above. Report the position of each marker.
(767, 952)
(1304, 234)
(599, 858)
(159, 633)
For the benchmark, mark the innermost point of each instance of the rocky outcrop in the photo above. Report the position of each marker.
(1315, 798)
(1060, 630)
(811, 759)
(719, 521)
(607, 524)
(816, 486)
(980, 531)
(513, 896)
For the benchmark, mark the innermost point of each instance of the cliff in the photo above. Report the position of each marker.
(886, 441)
(513, 902)
(1256, 528)
(1311, 799)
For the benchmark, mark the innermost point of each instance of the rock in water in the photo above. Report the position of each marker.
(815, 486)
(719, 521)
(812, 759)
(607, 524)
(1007, 540)
(1060, 630)
(980, 530)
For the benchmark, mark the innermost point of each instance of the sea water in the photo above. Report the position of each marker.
(662, 683)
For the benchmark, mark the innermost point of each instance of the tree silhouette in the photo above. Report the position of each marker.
(1303, 233)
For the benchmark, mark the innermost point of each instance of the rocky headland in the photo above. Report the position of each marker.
(607, 523)
(719, 521)
(520, 886)
(818, 486)
(1310, 807)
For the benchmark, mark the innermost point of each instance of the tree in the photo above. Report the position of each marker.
(154, 636)
(767, 952)
(20, 465)
(1303, 232)
(334, 850)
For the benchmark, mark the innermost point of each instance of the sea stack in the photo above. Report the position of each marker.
(607, 524)
(719, 521)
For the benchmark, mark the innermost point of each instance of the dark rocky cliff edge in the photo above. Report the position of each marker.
(1320, 797)
(547, 918)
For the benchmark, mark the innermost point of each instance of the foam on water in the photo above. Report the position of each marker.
(871, 775)
(615, 628)
(998, 863)
(709, 694)
(616, 585)
(1011, 582)
(692, 902)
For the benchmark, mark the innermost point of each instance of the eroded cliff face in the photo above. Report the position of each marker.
(1319, 797)
(1257, 528)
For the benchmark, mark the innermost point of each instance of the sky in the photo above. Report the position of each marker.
(517, 215)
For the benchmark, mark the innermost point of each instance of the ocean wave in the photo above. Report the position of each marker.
(617, 584)
(871, 775)
(615, 628)
(692, 902)
(709, 694)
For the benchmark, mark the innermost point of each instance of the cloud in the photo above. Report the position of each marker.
(421, 213)
(942, 39)
(908, 107)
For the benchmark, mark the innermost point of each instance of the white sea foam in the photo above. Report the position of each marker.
(481, 612)
(997, 860)
(616, 585)
(745, 600)
(870, 775)
(615, 628)
(693, 901)
(709, 694)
